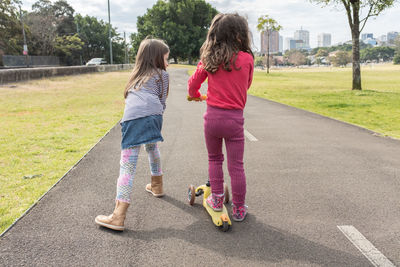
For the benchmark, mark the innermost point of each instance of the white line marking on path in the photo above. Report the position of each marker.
(366, 247)
(250, 136)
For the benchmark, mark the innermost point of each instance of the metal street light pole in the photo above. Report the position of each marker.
(23, 33)
(126, 55)
(109, 32)
(77, 31)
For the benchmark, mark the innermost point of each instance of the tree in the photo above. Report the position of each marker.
(267, 24)
(183, 24)
(94, 34)
(396, 59)
(295, 57)
(258, 61)
(43, 26)
(64, 14)
(340, 59)
(320, 55)
(68, 48)
(48, 21)
(357, 23)
(377, 54)
(11, 39)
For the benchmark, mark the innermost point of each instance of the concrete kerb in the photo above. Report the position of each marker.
(59, 180)
(26, 74)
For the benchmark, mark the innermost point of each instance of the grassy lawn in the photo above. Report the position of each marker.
(46, 127)
(190, 68)
(327, 91)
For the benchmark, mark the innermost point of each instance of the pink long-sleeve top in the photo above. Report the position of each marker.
(227, 90)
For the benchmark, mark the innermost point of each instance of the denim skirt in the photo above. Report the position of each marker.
(146, 130)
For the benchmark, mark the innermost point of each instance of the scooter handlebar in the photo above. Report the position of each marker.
(197, 99)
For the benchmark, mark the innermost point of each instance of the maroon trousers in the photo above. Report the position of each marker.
(227, 125)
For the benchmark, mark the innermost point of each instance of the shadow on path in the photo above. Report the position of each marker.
(250, 239)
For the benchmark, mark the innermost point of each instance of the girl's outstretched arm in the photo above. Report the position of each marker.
(196, 80)
(251, 74)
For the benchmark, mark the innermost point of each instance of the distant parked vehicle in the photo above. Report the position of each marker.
(96, 61)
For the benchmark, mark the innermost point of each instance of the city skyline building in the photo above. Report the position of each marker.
(273, 42)
(391, 37)
(303, 35)
(370, 41)
(383, 38)
(299, 44)
(324, 40)
(365, 36)
(290, 43)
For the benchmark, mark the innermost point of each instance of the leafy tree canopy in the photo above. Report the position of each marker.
(183, 24)
(94, 34)
(11, 39)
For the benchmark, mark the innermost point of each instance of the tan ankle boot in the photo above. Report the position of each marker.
(156, 186)
(116, 220)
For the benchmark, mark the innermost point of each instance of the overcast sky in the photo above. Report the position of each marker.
(291, 14)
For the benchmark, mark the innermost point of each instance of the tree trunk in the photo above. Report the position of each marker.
(267, 51)
(355, 34)
(356, 63)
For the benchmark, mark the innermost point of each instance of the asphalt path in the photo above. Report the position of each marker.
(307, 175)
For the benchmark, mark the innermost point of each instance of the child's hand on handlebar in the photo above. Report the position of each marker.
(197, 99)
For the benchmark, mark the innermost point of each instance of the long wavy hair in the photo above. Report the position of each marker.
(149, 60)
(228, 34)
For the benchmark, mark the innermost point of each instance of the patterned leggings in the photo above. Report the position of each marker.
(129, 158)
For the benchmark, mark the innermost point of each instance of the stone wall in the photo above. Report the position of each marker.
(16, 75)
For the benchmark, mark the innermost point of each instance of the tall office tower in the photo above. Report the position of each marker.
(391, 37)
(304, 36)
(290, 43)
(365, 36)
(280, 43)
(383, 38)
(324, 39)
(299, 44)
(273, 42)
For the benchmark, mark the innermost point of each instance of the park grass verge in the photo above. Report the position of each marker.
(46, 127)
(190, 68)
(327, 91)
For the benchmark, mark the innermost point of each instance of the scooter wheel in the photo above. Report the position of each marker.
(191, 194)
(224, 226)
(226, 192)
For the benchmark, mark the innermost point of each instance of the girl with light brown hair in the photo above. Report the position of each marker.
(145, 95)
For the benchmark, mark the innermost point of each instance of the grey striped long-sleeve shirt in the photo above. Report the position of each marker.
(149, 99)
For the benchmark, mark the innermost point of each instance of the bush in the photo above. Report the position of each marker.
(396, 59)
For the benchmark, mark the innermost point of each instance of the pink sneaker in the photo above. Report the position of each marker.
(215, 201)
(239, 213)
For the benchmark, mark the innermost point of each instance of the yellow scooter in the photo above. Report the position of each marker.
(220, 218)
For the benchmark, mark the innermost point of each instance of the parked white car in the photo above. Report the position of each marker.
(96, 61)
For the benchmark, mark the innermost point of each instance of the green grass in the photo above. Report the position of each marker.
(46, 127)
(327, 91)
(190, 68)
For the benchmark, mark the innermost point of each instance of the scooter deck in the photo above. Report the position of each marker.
(217, 216)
